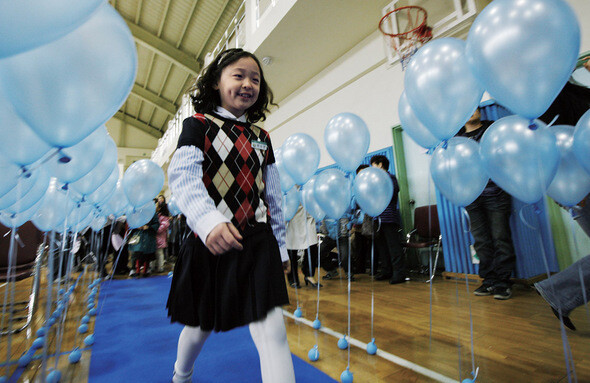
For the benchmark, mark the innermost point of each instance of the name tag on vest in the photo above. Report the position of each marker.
(259, 145)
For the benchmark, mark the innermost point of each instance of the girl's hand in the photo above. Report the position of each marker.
(223, 238)
(287, 266)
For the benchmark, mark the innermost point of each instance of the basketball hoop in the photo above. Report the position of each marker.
(412, 35)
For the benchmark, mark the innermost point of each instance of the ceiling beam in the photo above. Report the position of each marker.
(127, 119)
(153, 99)
(161, 47)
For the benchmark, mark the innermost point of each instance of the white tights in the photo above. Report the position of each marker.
(270, 338)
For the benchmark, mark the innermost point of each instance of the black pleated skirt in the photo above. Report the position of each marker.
(221, 292)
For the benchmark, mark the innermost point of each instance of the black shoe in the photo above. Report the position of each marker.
(567, 322)
(295, 285)
(502, 293)
(395, 281)
(307, 281)
(330, 275)
(483, 290)
(382, 277)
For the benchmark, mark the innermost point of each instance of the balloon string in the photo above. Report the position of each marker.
(42, 162)
(372, 279)
(104, 300)
(570, 368)
(431, 276)
(458, 327)
(10, 285)
(318, 297)
(349, 289)
(49, 302)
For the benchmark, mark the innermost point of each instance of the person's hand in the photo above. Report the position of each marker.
(223, 238)
(287, 266)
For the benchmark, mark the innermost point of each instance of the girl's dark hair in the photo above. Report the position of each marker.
(205, 97)
(162, 208)
(380, 159)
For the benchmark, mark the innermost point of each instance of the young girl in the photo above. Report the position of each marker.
(229, 273)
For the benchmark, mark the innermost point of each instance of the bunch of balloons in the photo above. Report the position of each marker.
(332, 192)
(65, 69)
(522, 53)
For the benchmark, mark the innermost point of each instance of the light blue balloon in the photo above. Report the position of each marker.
(82, 225)
(19, 143)
(66, 89)
(75, 356)
(581, 145)
(118, 202)
(571, 183)
(314, 354)
(316, 324)
(24, 183)
(347, 139)
(142, 182)
(10, 175)
(40, 182)
(137, 217)
(440, 88)
(332, 192)
(309, 202)
(81, 158)
(301, 156)
(413, 126)
(79, 213)
(18, 219)
(93, 179)
(373, 189)
(458, 172)
(520, 160)
(371, 347)
(104, 191)
(286, 181)
(346, 376)
(298, 313)
(173, 207)
(342, 343)
(523, 52)
(28, 24)
(55, 206)
(291, 202)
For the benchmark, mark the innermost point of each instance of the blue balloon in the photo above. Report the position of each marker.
(55, 206)
(518, 159)
(28, 24)
(98, 222)
(38, 343)
(342, 343)
(458, 172)
(139, 216)
(371, 347)
(506, 43)
(24, 360)
(81, 158)
(66, 89)
(81, 225)
(75, 356)
(54, 376)
(10, 175)
(309, 202)
(286, 181)
(83, 328)
(89, 340)
(317, 324)
(332, 192)
(298, 313)
(291, 202)
(40, 180)
(413, 126)
(18, 219)
(118, 202)
(99, 174)
(301, 157)
(79, 213)
(172, 207)
(142, 182)
(104, 191)
(347, 139)
(314, 354)
(19, 143)
(440, 88)
(571, 183)
(581, 145)
(373, 189)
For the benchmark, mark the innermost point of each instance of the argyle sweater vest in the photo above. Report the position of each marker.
(235, 155)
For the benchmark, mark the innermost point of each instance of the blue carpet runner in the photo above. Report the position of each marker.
(135, 341)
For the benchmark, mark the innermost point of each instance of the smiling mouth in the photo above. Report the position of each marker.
(245, 95)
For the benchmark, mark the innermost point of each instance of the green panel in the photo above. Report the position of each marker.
(560, 238)
(402, 178)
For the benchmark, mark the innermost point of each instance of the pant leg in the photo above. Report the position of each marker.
(343, 252)
(480, 229)
(564, 289)
(395, 250)
(499, 208)
(270, 338)
(383, 258)
(311, 252)
(325, 257)
(159, 260)
(582, 216)
(293, 276)
(190, 343)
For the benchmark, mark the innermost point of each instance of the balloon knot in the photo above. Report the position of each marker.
(445, 143)
(26, 173)
(65, 187)
(533, 125)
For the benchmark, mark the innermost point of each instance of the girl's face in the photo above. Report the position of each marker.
(239, 85)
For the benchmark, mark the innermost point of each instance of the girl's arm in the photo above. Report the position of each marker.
(185, 177)
(164, 224)
(274, 199)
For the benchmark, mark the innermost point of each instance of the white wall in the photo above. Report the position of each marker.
(362, 82)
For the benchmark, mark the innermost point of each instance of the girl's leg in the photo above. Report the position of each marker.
(190, 343)
(270, 338)
(160, 260)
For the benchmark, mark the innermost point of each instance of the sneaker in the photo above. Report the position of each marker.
(502, 293)
(132, 272)
(483, 290)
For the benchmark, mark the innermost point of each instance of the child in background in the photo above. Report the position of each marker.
(223, 175)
